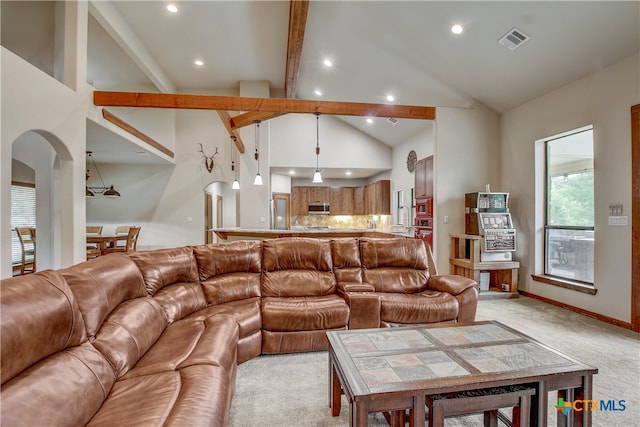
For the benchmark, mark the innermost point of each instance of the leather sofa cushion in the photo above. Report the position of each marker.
(243, 256)
(164, 267)
(424, 307)
(212, 341)
(245, 312)
(180, 300)
(101, 284)
(345, 253)
(65, 389)
(231, 287)
(194, 396)
(127, 334)
(297, 267)
(395, 265)
(40, 317)
(304, 313)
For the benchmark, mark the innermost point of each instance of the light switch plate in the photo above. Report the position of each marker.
(619, 220)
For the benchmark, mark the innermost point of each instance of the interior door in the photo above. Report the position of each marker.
(208, 218)
(281, 211)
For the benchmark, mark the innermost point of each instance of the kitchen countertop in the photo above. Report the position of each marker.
(320, 232)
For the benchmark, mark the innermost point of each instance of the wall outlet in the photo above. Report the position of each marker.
(189, 219)
(263, 219)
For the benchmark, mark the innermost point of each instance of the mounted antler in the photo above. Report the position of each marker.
(208, 160)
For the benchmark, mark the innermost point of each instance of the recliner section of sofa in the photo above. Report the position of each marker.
(154, 338)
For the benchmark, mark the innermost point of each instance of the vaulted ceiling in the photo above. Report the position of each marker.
(377, 48)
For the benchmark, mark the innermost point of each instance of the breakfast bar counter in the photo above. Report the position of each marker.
(317, 232)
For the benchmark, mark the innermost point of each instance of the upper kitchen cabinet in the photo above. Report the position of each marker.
(299, 200)
(378, 198)
(424, 178)
(358, 201)
(318, 194)
(341, 200)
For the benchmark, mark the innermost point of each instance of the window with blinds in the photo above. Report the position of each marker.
(23, 214)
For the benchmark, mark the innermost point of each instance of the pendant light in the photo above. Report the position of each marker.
(317, 177)
(234, 169)
(91, 191)
(258, 180)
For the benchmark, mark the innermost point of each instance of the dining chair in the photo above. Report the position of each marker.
(27, 238)
(131, 243)
(122, 229)
(93, 249)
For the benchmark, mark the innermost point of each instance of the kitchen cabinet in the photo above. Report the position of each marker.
(318, 194)
(424, 178)
(341, 200)
(299, 200)
(358, 201)
(371, 199)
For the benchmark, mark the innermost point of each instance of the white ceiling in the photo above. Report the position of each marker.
(377, 47)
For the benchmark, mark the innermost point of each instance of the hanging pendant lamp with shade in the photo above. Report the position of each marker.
(234, 167)
(317, 177)
(258, 180)
(104, 190)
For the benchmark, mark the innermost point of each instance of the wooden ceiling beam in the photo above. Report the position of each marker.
(110, 117)
(274, 105)
(226, 121)
(247, 119)
(298, 10)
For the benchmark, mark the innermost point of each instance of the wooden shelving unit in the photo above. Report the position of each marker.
(465, 261)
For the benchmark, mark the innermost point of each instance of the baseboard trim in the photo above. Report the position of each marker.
(601, 317)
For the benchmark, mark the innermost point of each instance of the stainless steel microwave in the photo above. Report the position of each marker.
(318, 208)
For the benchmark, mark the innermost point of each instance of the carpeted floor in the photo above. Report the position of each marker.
(291, 390)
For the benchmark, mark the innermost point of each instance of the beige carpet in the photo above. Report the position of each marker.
(291, 390)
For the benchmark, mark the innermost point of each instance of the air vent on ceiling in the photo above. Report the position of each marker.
(513, 39)
(393, 121)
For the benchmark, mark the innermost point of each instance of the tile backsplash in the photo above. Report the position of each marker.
(383, 222)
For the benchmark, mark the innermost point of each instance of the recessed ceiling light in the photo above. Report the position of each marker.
(199, 62)
(318, 92)
(347, 173)
(369, 120)
(390, 98)
(457, 29)
(292, 172)
(172, 8)
(328, 63)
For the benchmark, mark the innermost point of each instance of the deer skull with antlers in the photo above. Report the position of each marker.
(208, 160)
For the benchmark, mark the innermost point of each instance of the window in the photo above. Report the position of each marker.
(569, 218)
(23, 214)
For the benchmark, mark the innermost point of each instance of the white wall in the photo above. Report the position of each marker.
(604, 100)
(33, 100)
(466, 158)
(293, 142)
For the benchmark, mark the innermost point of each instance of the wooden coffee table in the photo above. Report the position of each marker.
(393, 369)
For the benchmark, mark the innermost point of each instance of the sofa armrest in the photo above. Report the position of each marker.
(363, 302)
(451, 283)
(344, 287)
(465, 290)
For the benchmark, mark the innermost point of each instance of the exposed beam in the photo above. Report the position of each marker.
(249, 118)
(110, 117)
(276, 105)
(297, 23)
(226, 121)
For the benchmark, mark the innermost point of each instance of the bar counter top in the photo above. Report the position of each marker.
(317, 232)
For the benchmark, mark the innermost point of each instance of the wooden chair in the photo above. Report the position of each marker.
(122, 229)
(27, 237)
(93, 249)
(130, 245)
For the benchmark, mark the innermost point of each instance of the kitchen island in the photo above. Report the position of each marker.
(317, 232)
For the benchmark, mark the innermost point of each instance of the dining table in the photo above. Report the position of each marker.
(105, 241)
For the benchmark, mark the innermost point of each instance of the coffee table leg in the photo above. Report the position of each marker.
(583, 418)
(334, 389)
(418, 411)
(358, 414)
(539, 403)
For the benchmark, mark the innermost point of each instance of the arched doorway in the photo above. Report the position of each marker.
(48, 158)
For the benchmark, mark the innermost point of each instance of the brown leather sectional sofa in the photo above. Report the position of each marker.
(154, 338)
